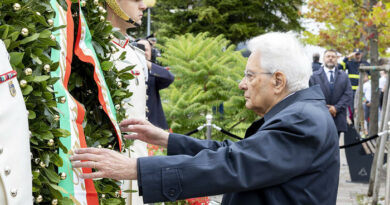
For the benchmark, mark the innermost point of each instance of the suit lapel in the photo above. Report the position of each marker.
(336, 74)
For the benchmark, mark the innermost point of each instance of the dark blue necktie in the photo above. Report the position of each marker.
(331, 81)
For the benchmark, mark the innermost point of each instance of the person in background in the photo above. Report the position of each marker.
(382, 86)
(351, 66)
(316, 65)
(15, 156)
(366, 101)
(159, 78)
(155, 52)
(336, 87)
(382, 81)
(289, 156)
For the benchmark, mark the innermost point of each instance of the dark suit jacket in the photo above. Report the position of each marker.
(159, 78)
(315, 66)
(341, 96)
(290, 156)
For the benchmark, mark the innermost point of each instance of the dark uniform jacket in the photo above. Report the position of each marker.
(290, 156)
(341, 96)
(353, 71)
(159, 78)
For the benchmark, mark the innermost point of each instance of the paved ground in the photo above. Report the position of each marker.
(353, 193)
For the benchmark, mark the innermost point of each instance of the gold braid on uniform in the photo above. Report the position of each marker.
(113, 4)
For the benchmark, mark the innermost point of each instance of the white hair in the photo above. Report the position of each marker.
(284, 53)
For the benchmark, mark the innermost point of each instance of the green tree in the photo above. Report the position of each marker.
(237, 20)
(346, 27)
(207, 74)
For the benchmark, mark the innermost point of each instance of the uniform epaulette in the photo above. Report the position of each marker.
(137, 49)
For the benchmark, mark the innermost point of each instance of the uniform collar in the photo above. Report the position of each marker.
(326, 69)
(123, 43)
(313, 93)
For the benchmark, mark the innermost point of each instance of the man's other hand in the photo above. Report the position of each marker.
(143, 130)
(332, 110)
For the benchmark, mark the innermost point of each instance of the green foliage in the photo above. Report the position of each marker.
(347, 26)
(207, 74)
(237, 20)
(31, 52)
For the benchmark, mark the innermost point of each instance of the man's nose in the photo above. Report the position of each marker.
(242, 85)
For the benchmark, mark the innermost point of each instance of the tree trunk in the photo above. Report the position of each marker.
(375, 92)
(373, 129)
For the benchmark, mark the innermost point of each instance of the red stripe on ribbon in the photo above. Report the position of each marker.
(91, 195)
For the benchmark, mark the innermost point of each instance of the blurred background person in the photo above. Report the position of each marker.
(366, 102)
(159, 78)
(316, 65)
(352, 63)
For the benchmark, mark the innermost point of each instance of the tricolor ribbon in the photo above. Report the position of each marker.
(81, 191)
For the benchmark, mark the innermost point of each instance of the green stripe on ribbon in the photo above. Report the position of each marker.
(67, 183)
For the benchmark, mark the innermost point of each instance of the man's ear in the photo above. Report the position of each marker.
(280, 81)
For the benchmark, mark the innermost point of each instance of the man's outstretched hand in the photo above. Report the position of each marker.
(106, 162)
(143, 130)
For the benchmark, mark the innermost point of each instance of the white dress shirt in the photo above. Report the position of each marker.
(328, 73)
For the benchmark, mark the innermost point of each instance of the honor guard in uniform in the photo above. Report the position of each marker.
(15, 164)
(123, 15)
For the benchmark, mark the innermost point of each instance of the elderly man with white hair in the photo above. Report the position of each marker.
(289, 156)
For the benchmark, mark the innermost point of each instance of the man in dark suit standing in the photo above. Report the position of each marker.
(336, 87)
(289, 156)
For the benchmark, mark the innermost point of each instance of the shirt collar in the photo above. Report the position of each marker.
(326, 69)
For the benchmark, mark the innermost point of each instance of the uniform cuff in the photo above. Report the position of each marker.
(139, 178)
